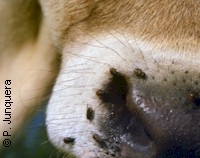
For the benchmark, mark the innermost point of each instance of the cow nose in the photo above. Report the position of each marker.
(169, 111)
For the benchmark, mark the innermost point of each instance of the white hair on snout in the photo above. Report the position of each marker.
(85, 69)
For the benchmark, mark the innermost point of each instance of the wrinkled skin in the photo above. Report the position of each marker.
(125, 74)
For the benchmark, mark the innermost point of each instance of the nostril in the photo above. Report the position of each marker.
(142, 115)
(170, 112)
(121, 126)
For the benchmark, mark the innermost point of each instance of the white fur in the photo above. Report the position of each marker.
(86, 71)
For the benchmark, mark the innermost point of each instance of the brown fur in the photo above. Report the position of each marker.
(167, 22)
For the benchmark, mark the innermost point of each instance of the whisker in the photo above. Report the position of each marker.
(102, 44)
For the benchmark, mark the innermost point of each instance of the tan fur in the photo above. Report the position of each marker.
(167, 22)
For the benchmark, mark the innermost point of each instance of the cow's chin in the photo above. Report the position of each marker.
(110, 100)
